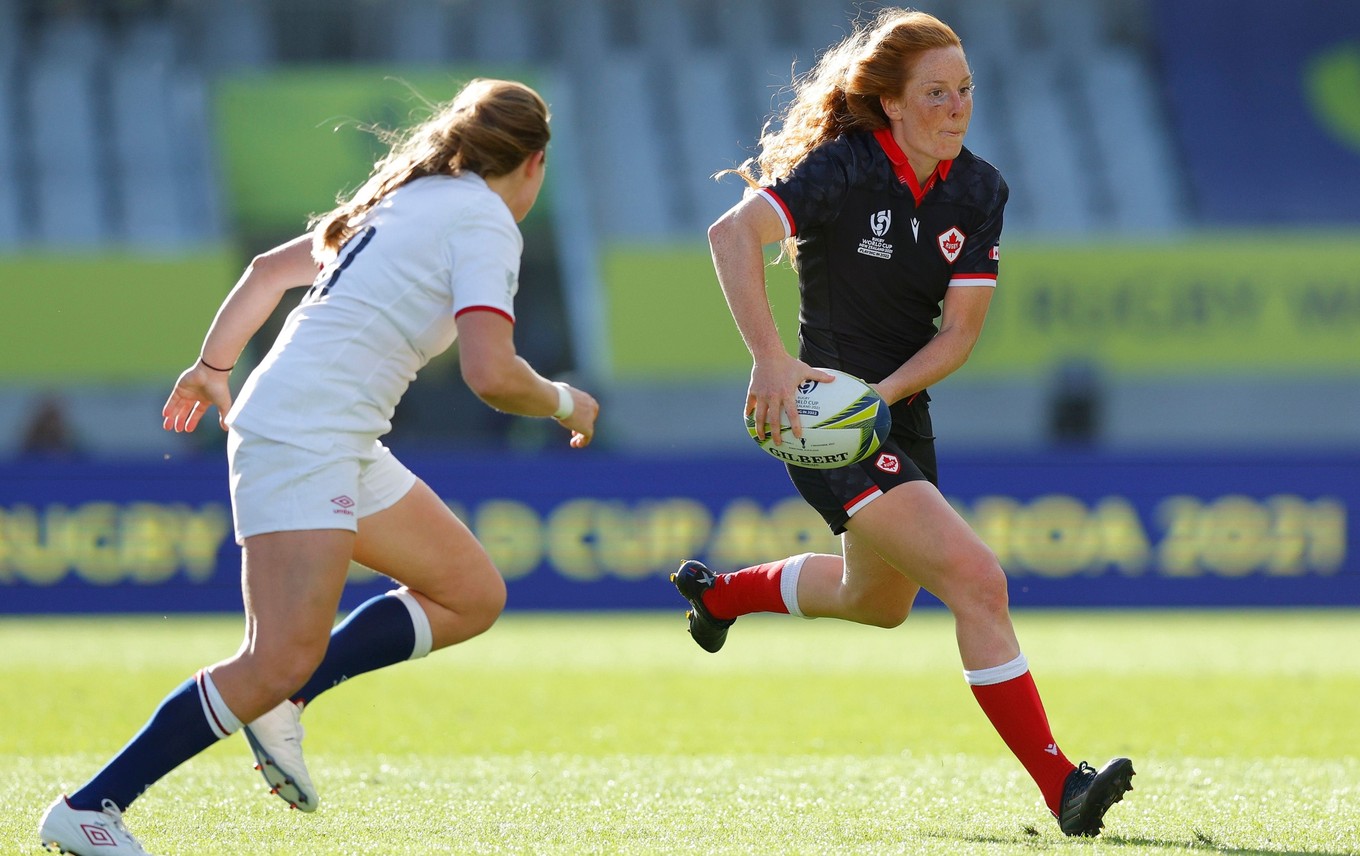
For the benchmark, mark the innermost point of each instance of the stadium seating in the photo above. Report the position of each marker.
(10, 202)
(70, 189)
(107, 133)
(666, 94)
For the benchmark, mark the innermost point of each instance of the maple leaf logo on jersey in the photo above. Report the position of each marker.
(951, 243)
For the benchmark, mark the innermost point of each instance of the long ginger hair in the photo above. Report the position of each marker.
(844, 90)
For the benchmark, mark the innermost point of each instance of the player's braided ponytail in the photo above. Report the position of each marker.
(489, 128)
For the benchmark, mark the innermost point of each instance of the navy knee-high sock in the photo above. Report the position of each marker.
(381, 631)
(189, 720)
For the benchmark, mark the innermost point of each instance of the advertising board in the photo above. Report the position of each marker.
(599, 531)
(1275, 305)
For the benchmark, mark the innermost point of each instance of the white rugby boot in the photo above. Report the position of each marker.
(87, 833)
(276, 740)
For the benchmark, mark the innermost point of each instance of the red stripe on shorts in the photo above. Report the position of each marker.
(863, 496)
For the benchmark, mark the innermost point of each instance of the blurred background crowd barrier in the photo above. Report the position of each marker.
(1172, 362)
(571, 531)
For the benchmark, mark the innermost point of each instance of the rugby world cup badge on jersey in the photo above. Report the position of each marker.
(843, 421)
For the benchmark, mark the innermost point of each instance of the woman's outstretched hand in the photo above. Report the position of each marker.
(197, 389)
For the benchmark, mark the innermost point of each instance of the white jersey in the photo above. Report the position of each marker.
(433, 249)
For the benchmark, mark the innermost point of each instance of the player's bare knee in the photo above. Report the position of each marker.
(280, 677)
(472, 605)
(975, 584)
(295, 657)
(886, 620)
(889, 614)
(875, 609)
(487, 604)
(987, 588)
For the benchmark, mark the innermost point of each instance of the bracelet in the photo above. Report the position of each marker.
(215, 368)
(566, 404)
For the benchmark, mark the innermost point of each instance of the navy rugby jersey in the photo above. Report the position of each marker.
(876, 251)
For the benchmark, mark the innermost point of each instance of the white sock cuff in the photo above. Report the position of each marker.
(788, 583)
(997, 674)
(220, 718)
(421, 622)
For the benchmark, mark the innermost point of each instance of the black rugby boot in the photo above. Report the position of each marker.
(1088, 794)
(692, 580)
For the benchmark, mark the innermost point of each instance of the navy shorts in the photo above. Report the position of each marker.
(837, 494)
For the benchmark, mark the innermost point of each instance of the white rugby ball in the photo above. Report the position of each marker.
(843, 422)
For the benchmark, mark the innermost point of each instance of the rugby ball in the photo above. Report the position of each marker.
(844, 421)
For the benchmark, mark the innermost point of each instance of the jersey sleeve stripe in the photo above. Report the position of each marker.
(973, 279)
(501, 312)
(785, 216)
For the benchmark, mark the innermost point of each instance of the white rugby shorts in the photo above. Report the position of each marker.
(278, 487)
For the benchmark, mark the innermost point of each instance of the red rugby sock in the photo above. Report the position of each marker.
(1017, 714)
(749, 590)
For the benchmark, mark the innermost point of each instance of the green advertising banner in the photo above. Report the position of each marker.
(1278, 304)
(668, 318)
(292, 140)
(107, 317)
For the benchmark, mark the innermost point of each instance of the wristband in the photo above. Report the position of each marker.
(215, 368)
(566, 405)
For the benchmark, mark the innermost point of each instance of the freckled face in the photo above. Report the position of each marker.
(931, 116)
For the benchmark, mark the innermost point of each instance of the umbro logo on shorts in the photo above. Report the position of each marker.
(343, 505)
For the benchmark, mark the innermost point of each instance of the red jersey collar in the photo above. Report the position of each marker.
(902, 167)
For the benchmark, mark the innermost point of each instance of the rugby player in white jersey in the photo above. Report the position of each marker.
(425, 252)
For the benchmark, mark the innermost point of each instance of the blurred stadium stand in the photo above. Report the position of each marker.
(108, 144)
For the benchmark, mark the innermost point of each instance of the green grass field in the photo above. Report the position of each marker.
(615, 734)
